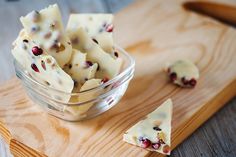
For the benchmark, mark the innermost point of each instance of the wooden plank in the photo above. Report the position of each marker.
(161, 41)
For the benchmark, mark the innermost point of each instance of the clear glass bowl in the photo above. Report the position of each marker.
(82, 105)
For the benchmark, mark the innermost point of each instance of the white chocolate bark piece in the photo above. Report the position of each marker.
(154, 132)
(42, 67)
(183, 73)
(82, 109)
(108, 67)
(79, 69)
(45, 28)
(98, 26)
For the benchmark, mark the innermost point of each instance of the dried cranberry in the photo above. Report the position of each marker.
(156, 128)
(166, 149)
(34, 67)
(145, 143)
(37, 51)
(105, 79)
(184, 81)
(25, 41)
(192, 82)
(43, 64)
(116, 54)
(88, 64)
(173, 76)
(109, 28)
(70, 66)
(95, 41)
(156, 145)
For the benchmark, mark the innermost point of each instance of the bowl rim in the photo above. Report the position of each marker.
(120, 75)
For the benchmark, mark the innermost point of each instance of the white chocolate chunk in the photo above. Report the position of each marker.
(96, 26)
(144, 129)
(86, 96)
(45, 28)
(45, 69)
(78, 69)
(186, 73)
(108, 67)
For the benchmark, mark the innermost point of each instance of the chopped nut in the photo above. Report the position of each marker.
(161, 136)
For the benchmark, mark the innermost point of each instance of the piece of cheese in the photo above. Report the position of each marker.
(183, 73)
(154, 132)
(43, 68)
(86, 96)
(108, 67)
(45, 28)
(98, 26)
(79, 69)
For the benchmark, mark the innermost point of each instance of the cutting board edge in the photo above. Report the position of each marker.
(207, 111)
(210, 108)
(219, 101)
(15, 145)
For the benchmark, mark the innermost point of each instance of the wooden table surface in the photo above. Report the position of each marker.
(215, 138)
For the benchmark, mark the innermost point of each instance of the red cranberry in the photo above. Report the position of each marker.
(105, 79)
(95, 41)
(43, 64)
(156, 145)
(192, 82)
(145, 143)
(25, 41)
(173, 76)
(109, 28)
(156, 128)
(184, 81)
(116, 54)
(88, 64)
(70, 66)
(34, 67)
(166, 149)
(37, 51)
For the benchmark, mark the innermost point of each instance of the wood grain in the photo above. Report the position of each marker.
(215, 138)
(184, 37)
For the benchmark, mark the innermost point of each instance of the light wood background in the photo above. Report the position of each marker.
(215, 138)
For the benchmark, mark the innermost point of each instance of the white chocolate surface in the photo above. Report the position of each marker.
(51, 75)
(50, 34)
(78, 69)
(82, 109)
(184, 69)
(95, 25)
(144, 128)
(108, 66)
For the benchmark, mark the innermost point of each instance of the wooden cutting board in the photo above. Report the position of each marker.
(155, 33)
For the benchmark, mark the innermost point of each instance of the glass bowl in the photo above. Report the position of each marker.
(81, 105)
